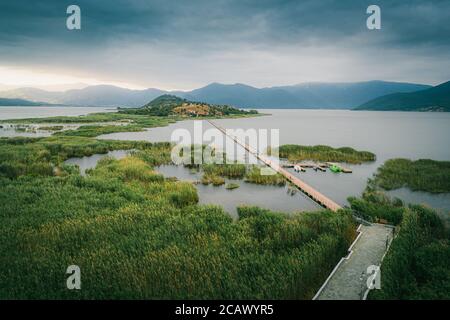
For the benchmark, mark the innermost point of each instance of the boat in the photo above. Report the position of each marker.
(297, 168)
(334, 168)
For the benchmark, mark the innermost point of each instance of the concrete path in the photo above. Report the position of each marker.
(348, 282)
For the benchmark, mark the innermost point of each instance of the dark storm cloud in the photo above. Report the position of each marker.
(34, 32)
(258, 21)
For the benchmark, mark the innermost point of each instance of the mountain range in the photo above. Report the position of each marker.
(306, 95)
(433, 99)
(19, 102)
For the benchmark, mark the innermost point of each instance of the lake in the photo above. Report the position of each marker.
(413, 135)
(275, 198)
(7, 113)
(271, 197)
(90, 162)
(48, 111)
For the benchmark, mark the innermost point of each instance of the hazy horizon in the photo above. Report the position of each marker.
(78, 86)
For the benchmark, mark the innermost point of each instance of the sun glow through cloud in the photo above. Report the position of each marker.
(18, 77)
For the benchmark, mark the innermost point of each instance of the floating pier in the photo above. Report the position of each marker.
(304, 187)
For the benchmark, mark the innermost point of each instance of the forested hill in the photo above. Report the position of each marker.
(19, 102)
(167, 105)
(433, 99)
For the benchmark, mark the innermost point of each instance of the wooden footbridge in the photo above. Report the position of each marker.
(304, 187)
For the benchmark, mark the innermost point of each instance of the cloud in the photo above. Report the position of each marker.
(181, 44)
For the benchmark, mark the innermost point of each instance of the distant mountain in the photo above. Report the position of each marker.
(106, 95)
(308, 95)
(244, 96)
(167, 105)
(32, 94)
(101, 95)
(434, 99)
(19, 102)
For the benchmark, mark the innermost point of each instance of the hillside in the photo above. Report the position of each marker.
(99, 95)
(167, 105)
(434, 99)
(19, 102)
(306, 95)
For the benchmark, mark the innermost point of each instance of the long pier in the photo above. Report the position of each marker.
(304, 187)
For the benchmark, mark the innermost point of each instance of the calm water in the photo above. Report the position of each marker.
(90, 162)
(47, 111)
(411, 135)
(270, 197)
(7, 113)
(246, 194)
(387, 134)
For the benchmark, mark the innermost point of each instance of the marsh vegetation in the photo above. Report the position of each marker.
(420, 175)
(136, 234)
(295, 153)
(417, 263)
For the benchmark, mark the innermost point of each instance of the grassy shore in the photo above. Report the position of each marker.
(421, 175)
(232, 186)
(417, 263)
(295, 153)
(137, 235)
(215, 174)
(96, 124)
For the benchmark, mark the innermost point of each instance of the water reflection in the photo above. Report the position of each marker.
(411, 135)
(11, 130)
(269, 197)
(90, 162)
(19, 112)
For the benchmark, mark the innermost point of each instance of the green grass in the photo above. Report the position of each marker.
(136, 235)
(96, 130)
(95, 118)
(51, 128)
(250, 174)
(295, 153)
(254, 175)
(421, 175)
(417, 264)
(44, 156)
(375, 206)
(232, 186)
(101, 123)
(231, 170)
(213, 179)
(124, 120)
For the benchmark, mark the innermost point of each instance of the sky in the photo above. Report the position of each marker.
(184, 45)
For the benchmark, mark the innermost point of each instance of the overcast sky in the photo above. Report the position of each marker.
(188, 44)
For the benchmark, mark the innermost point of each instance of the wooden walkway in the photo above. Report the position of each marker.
(304, 187)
